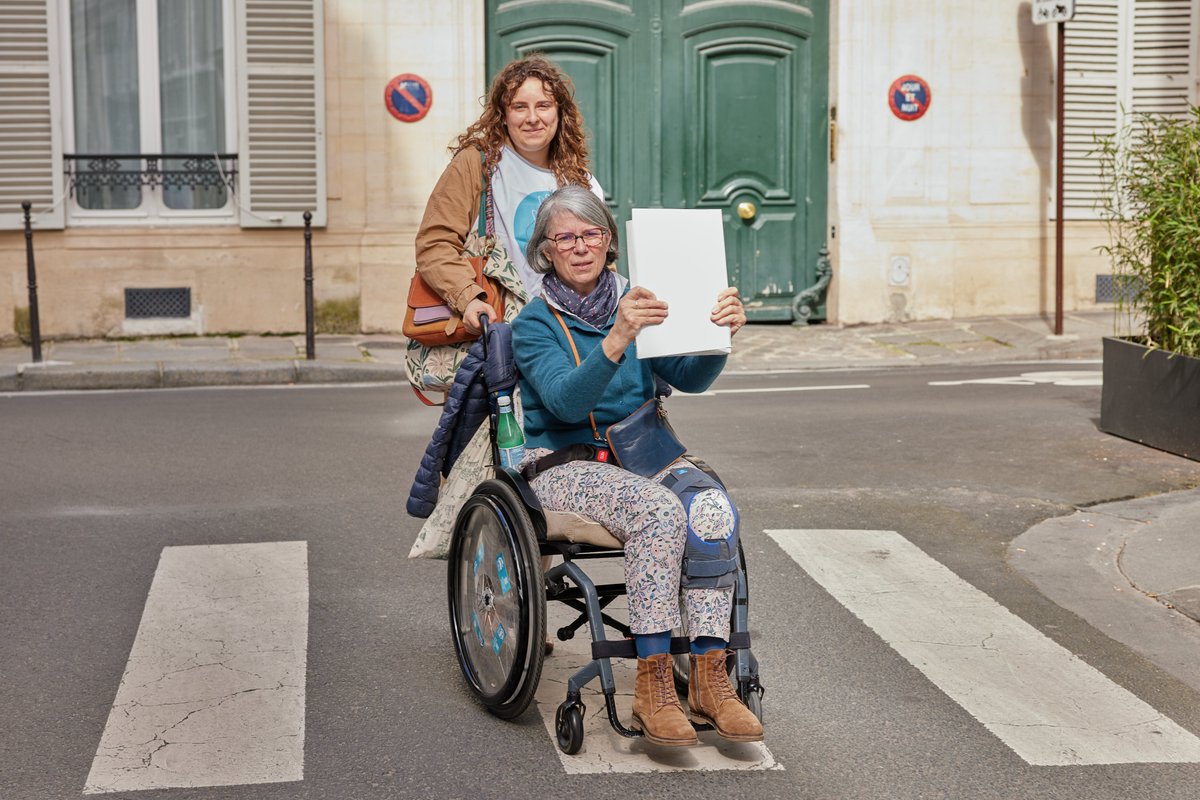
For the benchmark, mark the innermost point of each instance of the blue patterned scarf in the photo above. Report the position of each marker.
(596, 308)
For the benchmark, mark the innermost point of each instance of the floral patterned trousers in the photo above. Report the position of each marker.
(650, 520)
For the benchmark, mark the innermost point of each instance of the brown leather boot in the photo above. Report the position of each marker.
(712, 698)
(656, 708)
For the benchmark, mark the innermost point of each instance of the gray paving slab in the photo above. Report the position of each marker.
(9, 381)
(90, 351)
(338, 351)
(131, 375)
(228, 373)
(155, 351)
(266, 347)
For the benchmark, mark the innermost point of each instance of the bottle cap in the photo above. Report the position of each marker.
(504, 400)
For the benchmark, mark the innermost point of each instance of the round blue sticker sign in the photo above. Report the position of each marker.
(909, 97)
(408, 97)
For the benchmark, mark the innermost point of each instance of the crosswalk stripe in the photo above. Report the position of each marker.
(1038, 698)
(213, 692)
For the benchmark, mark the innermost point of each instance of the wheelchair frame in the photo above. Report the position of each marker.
(505, 508)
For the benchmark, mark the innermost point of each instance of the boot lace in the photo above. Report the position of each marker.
(663, 684)
(718, 680)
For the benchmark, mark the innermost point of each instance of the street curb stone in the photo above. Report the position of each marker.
(69, 377)
(332, 372)
(180, 376)
(9, 380)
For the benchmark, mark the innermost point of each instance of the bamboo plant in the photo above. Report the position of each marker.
(1151, 204)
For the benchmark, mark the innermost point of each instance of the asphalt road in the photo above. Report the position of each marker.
(95, 485)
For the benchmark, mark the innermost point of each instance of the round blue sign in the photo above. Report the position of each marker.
(408, 97)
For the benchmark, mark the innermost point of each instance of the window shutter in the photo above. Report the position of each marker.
(30, 139)
(1091, 96)
(1162, 33)
(1123, 57)
(281, 125)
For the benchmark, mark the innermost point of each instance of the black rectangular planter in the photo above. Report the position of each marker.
(1151, 397)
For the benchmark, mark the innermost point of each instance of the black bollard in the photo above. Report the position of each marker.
(310, 344)
(35, 328)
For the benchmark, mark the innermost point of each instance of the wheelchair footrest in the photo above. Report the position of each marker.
(680, 645)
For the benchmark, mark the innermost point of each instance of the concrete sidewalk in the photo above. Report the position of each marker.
(242, 360)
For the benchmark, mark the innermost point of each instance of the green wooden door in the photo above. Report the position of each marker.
(701, 104)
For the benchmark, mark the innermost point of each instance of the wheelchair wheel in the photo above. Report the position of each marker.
(497, 599)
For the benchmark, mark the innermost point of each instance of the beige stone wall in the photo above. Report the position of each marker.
(965, 192)
(379, 170)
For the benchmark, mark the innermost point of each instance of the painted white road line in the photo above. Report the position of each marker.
(766, 389)
(1038, 698)
(213, 692)
(606, 751)
(1062, 378)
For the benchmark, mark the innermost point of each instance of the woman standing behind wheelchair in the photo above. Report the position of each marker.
(574, 241)
(528, 141)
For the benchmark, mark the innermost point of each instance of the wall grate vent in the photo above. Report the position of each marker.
(1114, 289)
(158, 303)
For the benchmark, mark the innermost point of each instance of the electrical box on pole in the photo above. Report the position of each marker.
(1047, 11)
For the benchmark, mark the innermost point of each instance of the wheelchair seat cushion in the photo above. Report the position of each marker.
(567, 526)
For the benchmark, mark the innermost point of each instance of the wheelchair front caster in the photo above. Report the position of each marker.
(568, 727)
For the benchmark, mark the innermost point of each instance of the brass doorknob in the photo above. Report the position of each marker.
(746, 210)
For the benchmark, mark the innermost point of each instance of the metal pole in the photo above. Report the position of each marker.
(1058, 178)
(310, 344)
(35, 328)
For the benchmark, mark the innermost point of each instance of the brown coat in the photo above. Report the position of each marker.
(452, 208)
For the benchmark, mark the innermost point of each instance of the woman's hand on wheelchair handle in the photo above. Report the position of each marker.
(472, 313)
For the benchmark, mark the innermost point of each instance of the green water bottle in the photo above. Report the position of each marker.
(510, 441)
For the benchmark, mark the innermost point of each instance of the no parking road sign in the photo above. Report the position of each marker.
(408, 97)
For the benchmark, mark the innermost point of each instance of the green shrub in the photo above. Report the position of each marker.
(1151, 203)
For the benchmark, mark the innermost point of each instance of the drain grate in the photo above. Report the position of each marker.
(158, 303)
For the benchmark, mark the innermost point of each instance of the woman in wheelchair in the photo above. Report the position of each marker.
(574, 349)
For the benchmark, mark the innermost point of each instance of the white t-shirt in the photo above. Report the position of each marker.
(518, 189)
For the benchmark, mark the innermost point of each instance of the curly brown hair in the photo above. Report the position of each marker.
(568, 149)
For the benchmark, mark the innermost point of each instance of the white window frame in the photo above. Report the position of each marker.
(152, 211)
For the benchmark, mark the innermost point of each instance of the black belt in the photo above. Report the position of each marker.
(572, 452)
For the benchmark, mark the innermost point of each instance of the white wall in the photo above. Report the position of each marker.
(964, 192)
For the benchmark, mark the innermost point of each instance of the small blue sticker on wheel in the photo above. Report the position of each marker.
(502, 571)
(478, 630)
(479, 554)
(498, 639)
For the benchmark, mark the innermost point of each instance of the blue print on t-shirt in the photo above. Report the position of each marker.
(524, 217)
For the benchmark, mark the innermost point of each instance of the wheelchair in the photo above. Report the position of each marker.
(497, 593)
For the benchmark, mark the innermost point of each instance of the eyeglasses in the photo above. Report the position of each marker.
(592, 238)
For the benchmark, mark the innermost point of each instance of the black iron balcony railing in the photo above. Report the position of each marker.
(168, 170)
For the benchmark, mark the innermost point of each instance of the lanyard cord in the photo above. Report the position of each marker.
(574, 352)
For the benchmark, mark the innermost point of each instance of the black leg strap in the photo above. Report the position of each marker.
(680, 645)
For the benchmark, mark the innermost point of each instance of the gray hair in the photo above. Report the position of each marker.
(578, 202)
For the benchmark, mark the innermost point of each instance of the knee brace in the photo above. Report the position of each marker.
(710, 558)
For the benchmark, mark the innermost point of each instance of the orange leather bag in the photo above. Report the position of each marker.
(430, 320)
